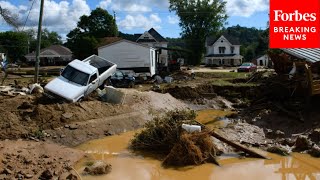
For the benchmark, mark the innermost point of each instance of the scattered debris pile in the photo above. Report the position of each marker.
(165, 135)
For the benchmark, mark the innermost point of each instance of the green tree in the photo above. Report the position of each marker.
(254, 42)
(15, 44)
(89, 30)
(48, 38)
(199, 19)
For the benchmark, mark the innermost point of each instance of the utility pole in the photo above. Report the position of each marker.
(38, 44)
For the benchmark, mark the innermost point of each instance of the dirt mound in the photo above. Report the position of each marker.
(32, 160)
(22, 116)
(183, 92)
(151, 100)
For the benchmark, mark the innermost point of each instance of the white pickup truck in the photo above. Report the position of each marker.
(80, 78)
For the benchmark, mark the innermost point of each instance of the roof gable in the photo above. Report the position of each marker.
(124, 40)
(153, 35)
(54, 50)
(232, 40)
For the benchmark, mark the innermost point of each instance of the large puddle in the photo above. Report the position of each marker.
(129, 166)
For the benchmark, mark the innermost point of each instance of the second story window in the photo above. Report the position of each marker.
(222, 50)
(232, 49)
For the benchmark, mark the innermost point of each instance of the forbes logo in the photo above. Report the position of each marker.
(279, 15)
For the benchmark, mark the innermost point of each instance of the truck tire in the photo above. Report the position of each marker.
(107, 82)
(131, 85)
(80, 99)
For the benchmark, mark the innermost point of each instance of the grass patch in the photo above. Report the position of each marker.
(231, 75)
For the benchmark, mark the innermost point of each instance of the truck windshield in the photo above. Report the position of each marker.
(75, 75)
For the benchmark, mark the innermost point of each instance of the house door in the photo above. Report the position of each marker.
(261, 63)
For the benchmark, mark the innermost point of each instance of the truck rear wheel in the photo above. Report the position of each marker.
(131, 85)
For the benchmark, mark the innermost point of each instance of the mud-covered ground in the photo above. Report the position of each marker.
(39, 122)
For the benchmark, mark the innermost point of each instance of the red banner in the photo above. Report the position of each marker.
(294, 24)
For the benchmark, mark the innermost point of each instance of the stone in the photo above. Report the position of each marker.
(107, 133)
(72, 177)
(315, 135)
(279, 134)
(46, 175)
(66, 126)
(73, 127)
(278, 149)
(286, 142)
(28, 176)
(62, 136)
(302, 143)
(98, 168)
(67, 115)
(269, 132)
(25, 105)
(6, 171)
(315, 151)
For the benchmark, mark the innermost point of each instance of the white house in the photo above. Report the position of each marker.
(223, 51)
(153, 39)
(131, 56)
(263, 61)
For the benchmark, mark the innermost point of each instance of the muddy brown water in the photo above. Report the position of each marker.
(127, 165)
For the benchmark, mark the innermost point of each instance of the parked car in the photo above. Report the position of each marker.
(122, 80)
(247, 67)
(80, 78)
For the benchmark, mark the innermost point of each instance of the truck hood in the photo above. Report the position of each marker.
(65, 88)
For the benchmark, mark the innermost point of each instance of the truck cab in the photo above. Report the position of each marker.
(80, 78)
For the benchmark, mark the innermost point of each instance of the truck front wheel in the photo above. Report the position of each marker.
(107, 82)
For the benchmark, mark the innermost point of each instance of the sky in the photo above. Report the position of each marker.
(133, 16)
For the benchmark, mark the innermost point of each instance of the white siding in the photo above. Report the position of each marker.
(128, 55)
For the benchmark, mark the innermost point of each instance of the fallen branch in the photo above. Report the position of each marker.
(238, 146)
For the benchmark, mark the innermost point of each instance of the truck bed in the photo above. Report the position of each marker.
(101, 64)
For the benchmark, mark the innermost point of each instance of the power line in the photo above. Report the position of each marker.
(28, 15)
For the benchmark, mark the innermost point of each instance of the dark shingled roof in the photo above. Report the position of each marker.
(212, 39)
(154, 34)
(61, 50)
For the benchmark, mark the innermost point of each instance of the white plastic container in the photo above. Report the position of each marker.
(168, 79)
(191, 128)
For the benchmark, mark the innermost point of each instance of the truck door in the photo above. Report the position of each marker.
(93, 83)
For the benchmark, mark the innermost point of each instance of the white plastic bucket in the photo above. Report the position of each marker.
(191, 128)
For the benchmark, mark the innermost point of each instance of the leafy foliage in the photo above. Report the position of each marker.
(130, 37)
(84, 38)
(48, 38)
(162, 133)
(14, 44)
(199, 19)
(254, 42)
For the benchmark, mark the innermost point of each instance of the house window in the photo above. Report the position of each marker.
(222, 50)
(232, 49)
(146, 37)
(222, 41)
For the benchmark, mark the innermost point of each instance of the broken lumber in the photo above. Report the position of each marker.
(238, 146)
